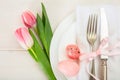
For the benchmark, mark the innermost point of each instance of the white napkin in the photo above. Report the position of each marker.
(113, 15)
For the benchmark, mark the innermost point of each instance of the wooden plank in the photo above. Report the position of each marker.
(19, 65)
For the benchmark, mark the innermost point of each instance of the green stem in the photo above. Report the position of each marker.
(41, 42)
(33, 54)
(46, 68)
(35, 29)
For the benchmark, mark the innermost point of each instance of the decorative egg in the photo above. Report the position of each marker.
(73, 51)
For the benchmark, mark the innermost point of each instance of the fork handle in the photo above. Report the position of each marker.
(104, 69)
(92, 70)
(93, 65)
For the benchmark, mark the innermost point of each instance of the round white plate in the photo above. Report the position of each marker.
(63, 30)
(63, 33)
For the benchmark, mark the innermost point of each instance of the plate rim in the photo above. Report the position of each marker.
(58, 32)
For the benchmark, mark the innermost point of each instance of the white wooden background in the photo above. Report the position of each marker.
(15, 63)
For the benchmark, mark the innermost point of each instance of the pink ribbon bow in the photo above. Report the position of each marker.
(109, 51)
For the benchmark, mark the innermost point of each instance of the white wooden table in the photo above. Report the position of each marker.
(15, 63)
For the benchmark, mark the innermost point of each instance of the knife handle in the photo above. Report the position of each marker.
(103, 69)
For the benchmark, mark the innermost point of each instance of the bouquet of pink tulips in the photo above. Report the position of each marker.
(36, 38)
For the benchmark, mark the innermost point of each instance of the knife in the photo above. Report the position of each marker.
(103, 34)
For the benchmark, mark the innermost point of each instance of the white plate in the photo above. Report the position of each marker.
(62, 33)
(65, 27)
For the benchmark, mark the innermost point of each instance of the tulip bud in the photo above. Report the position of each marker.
(28, 19)
(24, 38)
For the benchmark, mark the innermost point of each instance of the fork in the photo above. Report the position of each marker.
(92, 37)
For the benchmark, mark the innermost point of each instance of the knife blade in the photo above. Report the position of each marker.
(104, 34)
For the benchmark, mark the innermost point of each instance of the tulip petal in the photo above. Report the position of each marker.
(32, 16)
(28, 19)
(20, 38)
(27, 37)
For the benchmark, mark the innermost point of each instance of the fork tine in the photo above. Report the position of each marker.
(93, 30)
(92, 24)
(92, 27)
(96, 21)
(88, 25)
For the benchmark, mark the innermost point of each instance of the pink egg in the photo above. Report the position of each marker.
(73, 51)
(68, 68)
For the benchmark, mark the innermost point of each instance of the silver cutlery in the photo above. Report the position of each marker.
(103, 34)
(92, 37)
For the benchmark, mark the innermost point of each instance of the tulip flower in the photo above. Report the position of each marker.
(24, 38)
(28, 39)
(28, 19)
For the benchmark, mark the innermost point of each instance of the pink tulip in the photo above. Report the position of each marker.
(24, 38)
(28, 19)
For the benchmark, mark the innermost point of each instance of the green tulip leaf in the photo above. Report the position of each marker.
(48, 30)
(41, 33)
(43, 60)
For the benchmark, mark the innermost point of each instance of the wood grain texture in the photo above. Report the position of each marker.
(19, 65)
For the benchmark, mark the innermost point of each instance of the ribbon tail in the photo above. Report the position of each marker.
(87, 69)
(114, 54)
